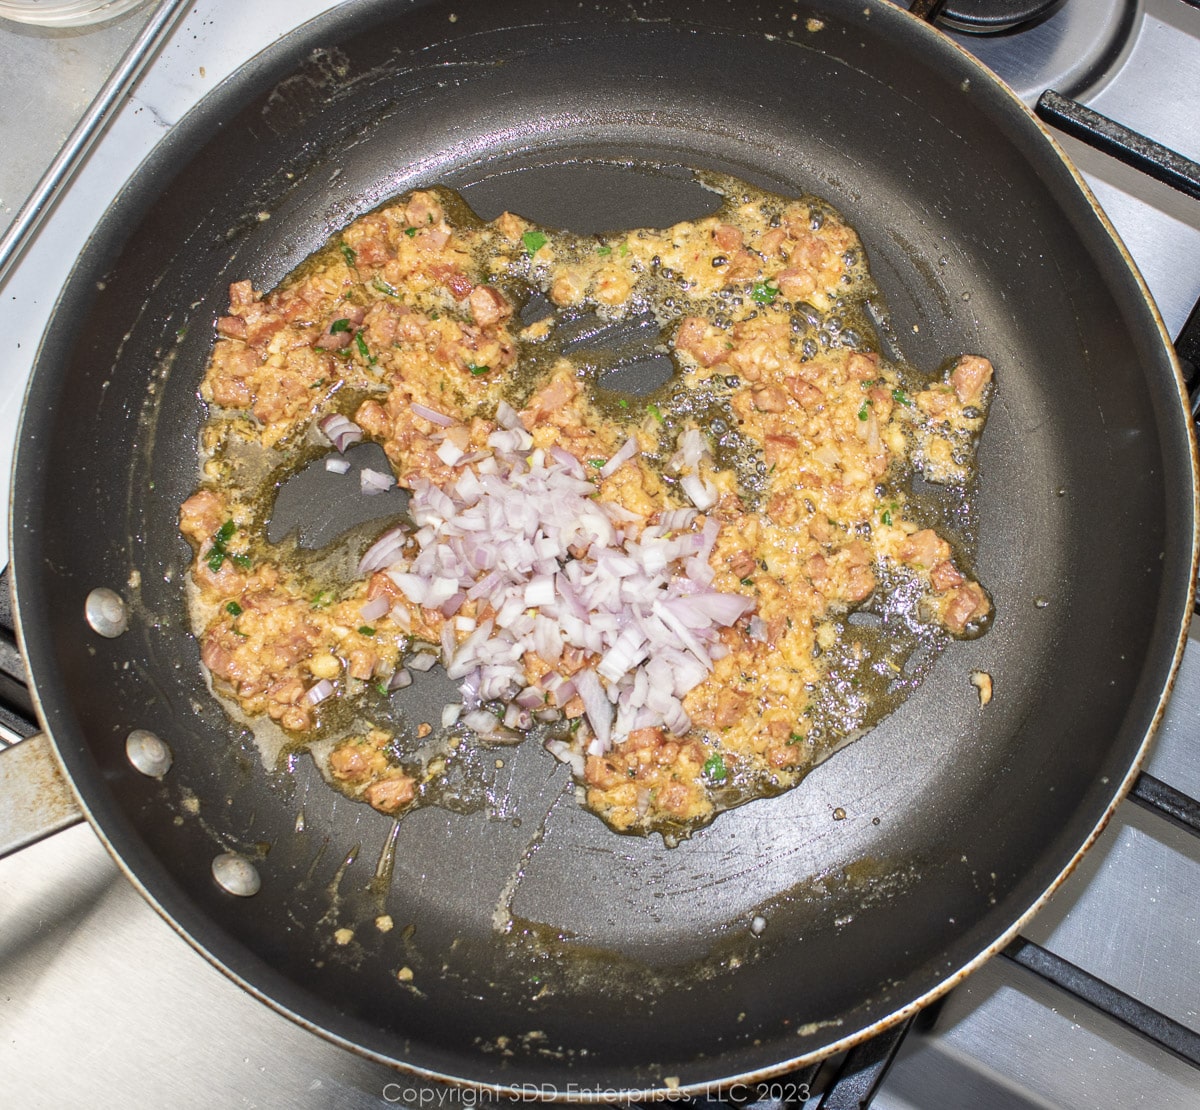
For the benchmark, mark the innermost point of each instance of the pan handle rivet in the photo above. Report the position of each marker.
(105, 612)
(148, 753)
(236, 874)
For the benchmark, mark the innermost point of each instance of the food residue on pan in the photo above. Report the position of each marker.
(982, 681)
(691, 595)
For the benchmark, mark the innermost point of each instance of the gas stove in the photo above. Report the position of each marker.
(1098, 1004)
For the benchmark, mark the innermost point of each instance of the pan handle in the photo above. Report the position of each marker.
(35, 799)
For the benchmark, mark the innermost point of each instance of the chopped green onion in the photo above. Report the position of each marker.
(597, 462)
(747, 581)
(604, 250)
(764, 292)
(242, 562)
(795, 738)
(477, 370)
(865, 411)
(886, 518)
(622, 403)
(339, 325)
(317, 384)
(349, 255)
(410, 231)
(382, 688)
(383, 287)
(534, 241)
(218, 553)
(365, 630)
(623, 250)
(656, 412)
(363, 349)
(714, 767)
(901, 398)
(234, 608)
(322, 599)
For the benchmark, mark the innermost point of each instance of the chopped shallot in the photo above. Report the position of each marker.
(341, 431)
(521, 530)
(319, 691)
(373, 610)
(383, 552)
(375, 481)
(627, 451)
(432, 415)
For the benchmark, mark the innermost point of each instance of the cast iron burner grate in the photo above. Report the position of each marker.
(851, 1081)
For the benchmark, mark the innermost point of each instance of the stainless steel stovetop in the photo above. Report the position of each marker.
(102, 1004)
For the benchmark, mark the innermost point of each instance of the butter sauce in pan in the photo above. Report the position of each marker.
(669, 511)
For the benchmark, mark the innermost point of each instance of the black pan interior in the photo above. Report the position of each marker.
(626, 962)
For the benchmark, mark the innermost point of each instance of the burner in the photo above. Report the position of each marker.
(1071, 50)
(980, 17)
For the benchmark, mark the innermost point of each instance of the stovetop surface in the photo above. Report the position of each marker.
(100, 1001)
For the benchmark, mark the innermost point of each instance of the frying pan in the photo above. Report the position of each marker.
(530, 949)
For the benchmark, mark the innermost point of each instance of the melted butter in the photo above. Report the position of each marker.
(875, 657)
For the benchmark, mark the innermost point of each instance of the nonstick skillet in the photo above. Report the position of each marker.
(626, 966)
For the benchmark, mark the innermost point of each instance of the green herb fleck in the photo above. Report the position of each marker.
(597, 462)
(410, 231)
(604, 250)
(383, 287)
(623, 250)
(365, 630)
(219, 552)
(339, 325)
(349, 255)
(382, 688)
(321, 599)
(622, 403)
(363, 349)
(234, 608)
(865, 411)
(886, 518)
(714, 768)
(795, 738)
(534, 241)
(242, 562)
(656, 412)
(477, 370)
(317, 384)
(901, 398)
(764, 292)
(747, 581)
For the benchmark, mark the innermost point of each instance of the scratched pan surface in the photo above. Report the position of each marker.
(543, 949)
